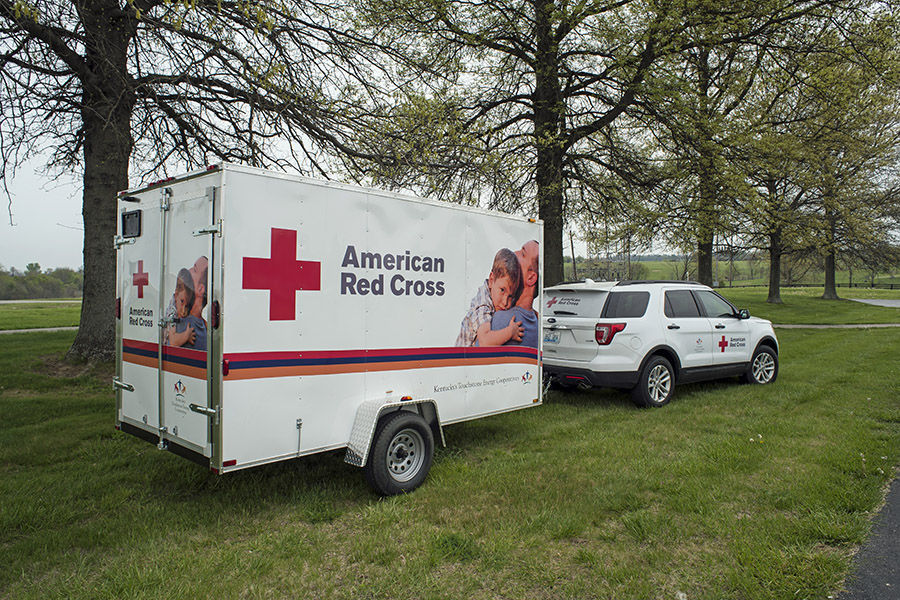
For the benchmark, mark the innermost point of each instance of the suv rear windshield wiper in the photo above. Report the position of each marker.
(563, 312)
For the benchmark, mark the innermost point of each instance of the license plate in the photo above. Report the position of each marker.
(551, 337)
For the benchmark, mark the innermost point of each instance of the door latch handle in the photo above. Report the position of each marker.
(720, 326)
(120, 241)
(209, 412)
(121, 385)
(674, 326)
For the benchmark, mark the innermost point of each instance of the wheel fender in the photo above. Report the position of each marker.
(370, 412)
(666, 352)
(766, 341)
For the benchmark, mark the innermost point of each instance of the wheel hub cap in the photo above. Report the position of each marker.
(405, 455)
(763, 368)
(659, 383)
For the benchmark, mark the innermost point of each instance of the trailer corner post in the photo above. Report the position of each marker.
(165, 204)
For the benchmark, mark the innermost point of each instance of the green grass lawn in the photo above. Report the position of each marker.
(35, 315)
(731, 491)
(805, 305)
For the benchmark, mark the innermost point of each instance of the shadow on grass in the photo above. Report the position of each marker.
(608, 398)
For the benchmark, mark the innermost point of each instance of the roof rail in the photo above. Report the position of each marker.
(642, 281)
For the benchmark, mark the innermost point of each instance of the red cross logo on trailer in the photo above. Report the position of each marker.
(282, 274)
(140, 279)
(723, 344)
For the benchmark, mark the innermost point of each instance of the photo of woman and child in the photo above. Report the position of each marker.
(186, 308)
(501, 312)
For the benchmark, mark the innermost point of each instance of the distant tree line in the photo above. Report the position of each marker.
(34, 283)
(735, 268)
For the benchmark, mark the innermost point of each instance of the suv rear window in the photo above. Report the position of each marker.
(626, 304)
(574, 303)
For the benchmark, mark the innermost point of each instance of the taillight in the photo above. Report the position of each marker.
(604, 332)
(118, 308)
(226, 367)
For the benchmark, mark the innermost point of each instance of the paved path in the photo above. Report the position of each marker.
(876, 568)
(38, 329)
(878, 302)
(40, 301)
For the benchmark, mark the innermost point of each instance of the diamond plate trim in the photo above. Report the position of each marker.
(367, 416)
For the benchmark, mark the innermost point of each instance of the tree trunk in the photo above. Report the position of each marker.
(775, 252)
(830, 262)
(548, 117)
(108, 103)
(830, 287)
(704, 259)
(706, 174)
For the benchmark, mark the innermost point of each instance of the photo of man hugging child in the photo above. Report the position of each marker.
(500, 291)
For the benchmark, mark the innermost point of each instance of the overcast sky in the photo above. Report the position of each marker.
(47, 218)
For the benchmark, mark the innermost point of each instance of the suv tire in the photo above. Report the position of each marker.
(763, 367)
(656, 384)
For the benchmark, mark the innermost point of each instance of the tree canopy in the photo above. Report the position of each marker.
(108, 87)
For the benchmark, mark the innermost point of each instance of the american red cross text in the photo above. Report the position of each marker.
(282, 274)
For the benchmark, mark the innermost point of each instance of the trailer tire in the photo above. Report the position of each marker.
(401, 454)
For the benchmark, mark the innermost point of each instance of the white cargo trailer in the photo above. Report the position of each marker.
(263, 317)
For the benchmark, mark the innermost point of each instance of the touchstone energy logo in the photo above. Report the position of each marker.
(180, 389)
(527, 377)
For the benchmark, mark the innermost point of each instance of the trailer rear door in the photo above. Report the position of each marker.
(165, 286)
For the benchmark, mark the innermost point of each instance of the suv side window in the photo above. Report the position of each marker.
(681, 304)
(714, 305)
(621, 305)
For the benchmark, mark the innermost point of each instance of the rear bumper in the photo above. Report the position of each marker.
(574, 376)
(171, 446)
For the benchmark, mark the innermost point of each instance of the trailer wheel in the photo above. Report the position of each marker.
(401, 454)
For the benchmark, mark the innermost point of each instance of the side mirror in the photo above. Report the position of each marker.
(744, 314)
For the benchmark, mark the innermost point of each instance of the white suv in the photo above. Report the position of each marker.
(645, 336)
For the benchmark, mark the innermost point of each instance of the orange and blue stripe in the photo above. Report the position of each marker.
(183, 361)
(254, 365)
(259, 365)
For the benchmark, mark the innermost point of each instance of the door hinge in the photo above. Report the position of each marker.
(165, 204)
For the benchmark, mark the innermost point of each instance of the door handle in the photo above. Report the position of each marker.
(720, 326)
(674, 326)
(119, 384)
